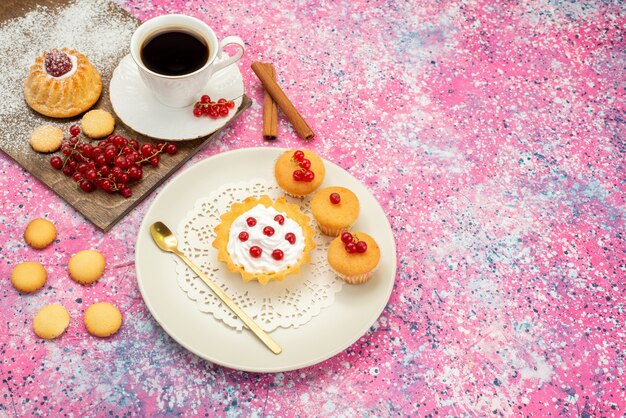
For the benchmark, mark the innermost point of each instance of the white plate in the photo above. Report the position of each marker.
(355, 308)
(137, 107)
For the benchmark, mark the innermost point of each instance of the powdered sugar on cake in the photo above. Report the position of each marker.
(97, 28)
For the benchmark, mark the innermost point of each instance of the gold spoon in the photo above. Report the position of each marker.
(167, 241)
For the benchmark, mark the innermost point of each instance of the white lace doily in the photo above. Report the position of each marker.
(290, 303)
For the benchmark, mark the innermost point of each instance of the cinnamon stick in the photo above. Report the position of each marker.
(271, 86)
(270, 110)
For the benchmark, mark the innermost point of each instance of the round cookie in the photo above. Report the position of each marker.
(40, 233)
(86, 266)
(46, 138)
(28, 276)
(51, 321)
(97, 123)
(102, 319)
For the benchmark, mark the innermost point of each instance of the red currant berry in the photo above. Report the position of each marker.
(101, 160)
(205, 99)
(120, 161)
(346, 237)
(120, 141)
(290, 237)
(96, 151)
(132, 158)
(243, 236)
(87, 186)
(298, 155)
(87, 150)
(361, 246)
(221, 100)
(116, 171)
(146, 150)
(77, 176)
(74, 130)
(171, 149)
(351, 247)
(67, 170)
(255, 251)
(280, 219)
(56, 163)
(197, 112)
(230, 104)
(277, 254)
(133, 143)
(105, 171)
(126, 192)
(298, 175)
(213, 113)
(108, 155)
(91, 175)
(82, 167)
(122, 178)
(106, 185)
(335, 198)
(251, 221)
(154, 161)
(309, 176)
(135, 172)
(306, 164)
(268, 230)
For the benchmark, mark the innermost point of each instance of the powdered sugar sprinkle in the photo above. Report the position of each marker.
(92, 27)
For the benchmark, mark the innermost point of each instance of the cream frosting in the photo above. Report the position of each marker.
(240, 250)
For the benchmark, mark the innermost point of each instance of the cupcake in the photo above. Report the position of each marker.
(335, 209)
(299, 172)
(264, 240)
(354, 256)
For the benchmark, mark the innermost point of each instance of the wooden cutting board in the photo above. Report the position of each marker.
(102, 209)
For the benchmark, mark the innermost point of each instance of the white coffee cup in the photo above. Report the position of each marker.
(182, 90)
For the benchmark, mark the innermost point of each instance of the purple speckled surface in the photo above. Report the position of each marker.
(492, 135)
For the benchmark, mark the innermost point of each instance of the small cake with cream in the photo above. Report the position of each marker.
(263, 239)
(62, 83)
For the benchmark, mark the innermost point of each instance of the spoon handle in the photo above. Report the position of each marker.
(262, 335)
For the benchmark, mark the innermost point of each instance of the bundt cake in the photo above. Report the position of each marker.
(62, 83)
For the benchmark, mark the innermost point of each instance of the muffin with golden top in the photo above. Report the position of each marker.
(354, 256)
(299, 172)
(335, 209)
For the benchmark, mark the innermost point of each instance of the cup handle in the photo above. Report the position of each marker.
(229, 40)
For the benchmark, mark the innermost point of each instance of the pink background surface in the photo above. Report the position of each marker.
(493, 137)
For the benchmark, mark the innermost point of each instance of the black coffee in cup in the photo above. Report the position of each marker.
(174, 52)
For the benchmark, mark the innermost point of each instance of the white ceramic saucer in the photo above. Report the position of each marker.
(137, 107)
